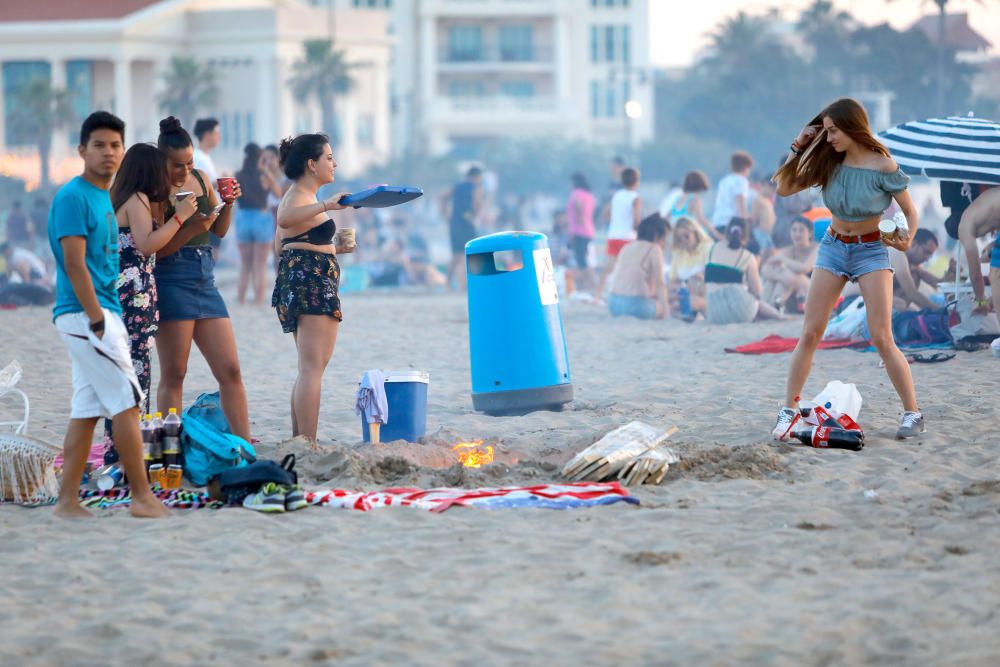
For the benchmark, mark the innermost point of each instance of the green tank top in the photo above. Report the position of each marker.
(204, 207)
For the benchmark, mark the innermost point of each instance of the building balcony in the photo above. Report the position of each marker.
(501, 110)
(485, 8)
(496, 57)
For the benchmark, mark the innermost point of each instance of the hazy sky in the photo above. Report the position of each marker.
(678, 27)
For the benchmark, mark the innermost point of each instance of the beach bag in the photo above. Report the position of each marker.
(207, 445)
(851, 323)
(27, 475)
(235, 484)
(922, 327)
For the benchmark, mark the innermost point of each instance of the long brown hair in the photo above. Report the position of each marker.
(816, 164)
(143, 169)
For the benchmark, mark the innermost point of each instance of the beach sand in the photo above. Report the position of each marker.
(748, 553)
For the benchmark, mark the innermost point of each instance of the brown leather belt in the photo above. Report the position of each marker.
(855, 238)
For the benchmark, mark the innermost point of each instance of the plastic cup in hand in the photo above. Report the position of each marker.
(227, 185)
(344, 238)
(887, 228)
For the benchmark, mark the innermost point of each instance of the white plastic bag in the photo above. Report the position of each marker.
(838, 397)
(973, 324)
(849, 324)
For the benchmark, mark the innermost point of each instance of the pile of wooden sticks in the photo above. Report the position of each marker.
(631, 454)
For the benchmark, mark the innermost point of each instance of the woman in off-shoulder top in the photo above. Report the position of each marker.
(859, 178)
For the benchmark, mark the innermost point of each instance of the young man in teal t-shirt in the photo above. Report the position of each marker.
(83, 234)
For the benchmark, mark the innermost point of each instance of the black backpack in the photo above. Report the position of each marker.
(235, 484)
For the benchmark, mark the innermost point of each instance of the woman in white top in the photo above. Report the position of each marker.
(626, 209)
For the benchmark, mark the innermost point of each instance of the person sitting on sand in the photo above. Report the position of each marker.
(688, 256)
(84, 239)
(732, 280)
(786, 274)
(982, 217)
(638, 287)
(24, 266)
(909, 274)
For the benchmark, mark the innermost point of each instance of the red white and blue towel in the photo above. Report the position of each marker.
(543, 496)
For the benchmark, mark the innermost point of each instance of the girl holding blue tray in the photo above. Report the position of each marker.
(307, 289)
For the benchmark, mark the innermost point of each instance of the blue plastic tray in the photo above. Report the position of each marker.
(382, 196)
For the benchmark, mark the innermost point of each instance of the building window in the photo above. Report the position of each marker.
(607, 98)
(466, 88)
(609, 3)
(237, 135)
(595, 99)
(16, 75)
(250, 128)
(373, 4)
(517, 43)
(465, 43)
(522, 89)
(610, 44)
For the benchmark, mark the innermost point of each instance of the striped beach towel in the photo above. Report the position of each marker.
(544, 496)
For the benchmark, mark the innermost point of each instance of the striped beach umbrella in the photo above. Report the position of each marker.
(951, 149)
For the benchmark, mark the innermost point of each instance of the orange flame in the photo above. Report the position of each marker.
(472, 455)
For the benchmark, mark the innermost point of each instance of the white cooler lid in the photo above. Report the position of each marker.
(408, 376)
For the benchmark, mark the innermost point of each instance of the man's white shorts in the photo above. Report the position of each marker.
(104, 381)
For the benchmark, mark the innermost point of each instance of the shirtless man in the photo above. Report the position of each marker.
(981, 218)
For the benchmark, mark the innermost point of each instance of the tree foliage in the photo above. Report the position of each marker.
(189, 87)
(761, 78)
(37, 110)
(322, 74)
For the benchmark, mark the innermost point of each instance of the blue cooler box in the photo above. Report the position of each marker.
(517, 347)
(406, 393)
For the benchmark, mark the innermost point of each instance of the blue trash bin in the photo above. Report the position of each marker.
(516, 341)
(406, 394)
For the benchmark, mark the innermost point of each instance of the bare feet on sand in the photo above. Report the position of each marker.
(148, 508)
(71, 510)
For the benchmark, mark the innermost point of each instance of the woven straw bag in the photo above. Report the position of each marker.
(26, 471)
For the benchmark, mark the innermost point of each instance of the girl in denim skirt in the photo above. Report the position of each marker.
(191, 308)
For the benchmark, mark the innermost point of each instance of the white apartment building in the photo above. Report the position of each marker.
(469, 72)
(111, 54)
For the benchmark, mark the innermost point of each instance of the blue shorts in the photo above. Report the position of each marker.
(185, 283)
(254, 225)
(852, 260)
(633, 306)
(995, 255)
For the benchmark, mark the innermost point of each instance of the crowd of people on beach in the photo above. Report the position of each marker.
(134, 241)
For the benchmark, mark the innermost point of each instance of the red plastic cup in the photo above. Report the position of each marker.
(226, 186)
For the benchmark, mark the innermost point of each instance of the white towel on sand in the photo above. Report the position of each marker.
(371, 400)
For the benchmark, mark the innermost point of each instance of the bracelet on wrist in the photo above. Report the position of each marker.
(97, 326)
(795, 149)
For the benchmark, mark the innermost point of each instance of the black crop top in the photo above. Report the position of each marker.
(321, 234)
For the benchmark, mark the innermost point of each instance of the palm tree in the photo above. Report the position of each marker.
(322, 74)
(36, 111)
(190, 87)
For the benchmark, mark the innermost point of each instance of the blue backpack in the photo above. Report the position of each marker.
(207, 444)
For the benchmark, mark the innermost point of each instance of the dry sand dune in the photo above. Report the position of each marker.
(749, 553)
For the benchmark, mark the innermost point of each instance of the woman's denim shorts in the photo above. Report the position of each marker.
(254, 226)
(185, 282)
(634, 306)
(852, 260)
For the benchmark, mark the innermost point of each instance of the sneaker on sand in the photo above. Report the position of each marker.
(270, 499)
(911, 424)
(295, 498)
(787, 418)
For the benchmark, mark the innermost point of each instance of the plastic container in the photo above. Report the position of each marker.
(995, 347)
(516, 341)
(406, 394)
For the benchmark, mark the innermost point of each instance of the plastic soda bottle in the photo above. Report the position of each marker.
(828, 437)
(157, 448)
(172, 438)
(148, 435)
